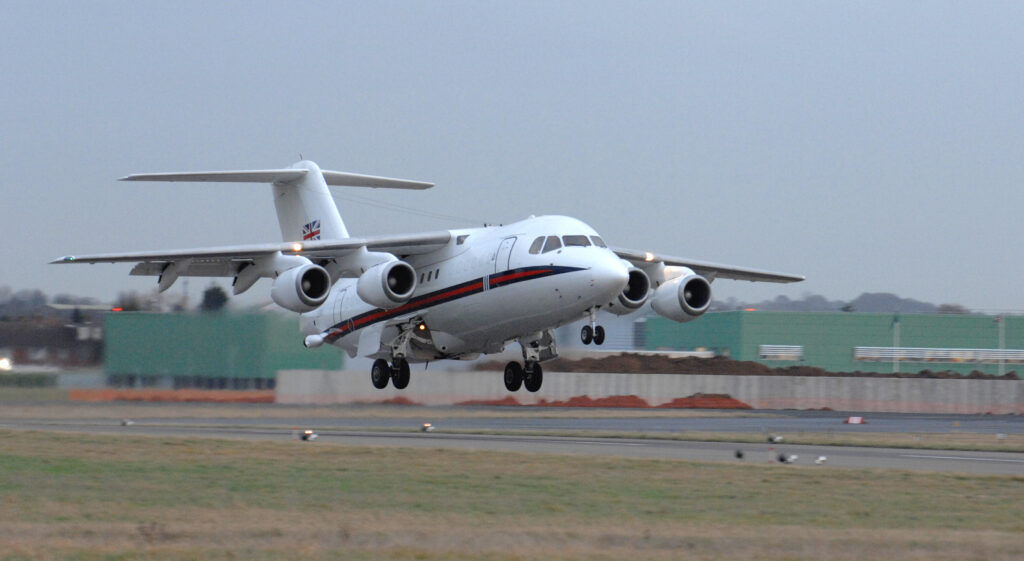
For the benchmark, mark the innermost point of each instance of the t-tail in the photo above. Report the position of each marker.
(305, 209)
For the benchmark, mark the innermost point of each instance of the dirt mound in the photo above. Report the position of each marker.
(705, 401)
(509, 400)
(587, 401)
(633, 363)
(695, 401)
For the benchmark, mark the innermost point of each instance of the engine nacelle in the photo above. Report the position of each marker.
(301, 289)
(633, 296)
(684, 298)
(387, 285)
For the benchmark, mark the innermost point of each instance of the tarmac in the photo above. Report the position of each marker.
(402, 431)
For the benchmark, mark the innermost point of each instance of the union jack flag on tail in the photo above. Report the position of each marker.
(311, 231)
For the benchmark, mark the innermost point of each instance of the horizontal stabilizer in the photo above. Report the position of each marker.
(250, 176)
(356, 180)
(338, 178)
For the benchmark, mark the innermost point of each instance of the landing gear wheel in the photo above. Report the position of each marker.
(513, 376)
(533, 377)
(380, 373)
(598, 335)
(400, 373)
(587, 334)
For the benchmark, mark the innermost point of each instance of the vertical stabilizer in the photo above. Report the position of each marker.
(305, 208)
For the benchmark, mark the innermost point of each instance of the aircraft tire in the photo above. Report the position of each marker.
(587, 334)
(533, 378)
(400, 374)
(380, 373)
(598, 335)
(513, 376)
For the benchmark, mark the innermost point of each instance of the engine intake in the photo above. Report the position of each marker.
(683, 298)
(634, 295)
(301, 289)
(387, 285)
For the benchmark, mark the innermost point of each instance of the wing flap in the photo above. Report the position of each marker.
(224, 268)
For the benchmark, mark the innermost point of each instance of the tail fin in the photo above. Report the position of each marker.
(305, 208)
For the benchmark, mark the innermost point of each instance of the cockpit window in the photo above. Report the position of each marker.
(552, 244)
(598, 241)
(575, 240)
(537, 244)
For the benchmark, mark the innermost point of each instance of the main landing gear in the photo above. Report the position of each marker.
(536, 348)
(397, 372)
(595, 334)
(531, 376)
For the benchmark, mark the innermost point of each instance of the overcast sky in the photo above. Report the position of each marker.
(868, 146)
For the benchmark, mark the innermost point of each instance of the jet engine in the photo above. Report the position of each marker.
(301, 289)
(387, 285)
(633, 296)
(683, 298)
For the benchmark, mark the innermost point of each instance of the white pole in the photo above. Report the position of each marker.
(895, 346)
(1002, 344)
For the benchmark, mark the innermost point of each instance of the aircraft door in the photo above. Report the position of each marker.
(502, 257)
(338, 305)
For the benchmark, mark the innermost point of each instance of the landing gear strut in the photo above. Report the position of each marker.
(397, 372)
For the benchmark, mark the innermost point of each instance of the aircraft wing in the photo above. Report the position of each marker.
(709, 270)
(227, 261)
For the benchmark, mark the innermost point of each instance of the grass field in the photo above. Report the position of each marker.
(104, 497)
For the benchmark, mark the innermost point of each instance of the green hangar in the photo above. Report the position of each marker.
(212, 351)
(848, 342)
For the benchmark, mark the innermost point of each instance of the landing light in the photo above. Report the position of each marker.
(422, 326)
(296, 247)
(648, 256)
(5, 363)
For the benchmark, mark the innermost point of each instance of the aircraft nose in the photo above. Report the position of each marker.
(610, 275)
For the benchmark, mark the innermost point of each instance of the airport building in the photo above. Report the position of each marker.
(848, 342)
(213, 351)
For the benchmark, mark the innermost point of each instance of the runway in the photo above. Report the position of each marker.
(399, 431)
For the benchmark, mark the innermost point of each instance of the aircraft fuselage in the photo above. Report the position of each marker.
(486, 287)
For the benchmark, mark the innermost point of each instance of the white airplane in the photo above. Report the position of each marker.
(442, 295)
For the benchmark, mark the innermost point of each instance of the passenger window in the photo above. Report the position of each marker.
(537, 244)
(598, 241)
(430, 274)
(422, 276)
(552, 244)
(437, 273)
(576, 240)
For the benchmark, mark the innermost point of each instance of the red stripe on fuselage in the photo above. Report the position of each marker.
(519, 275)
(416, 304)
